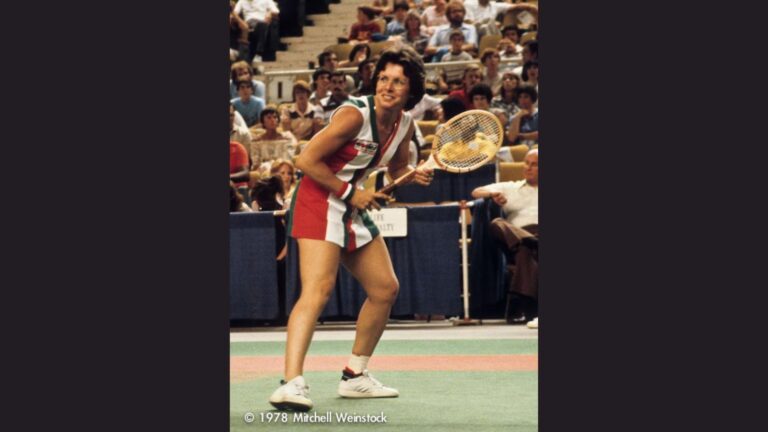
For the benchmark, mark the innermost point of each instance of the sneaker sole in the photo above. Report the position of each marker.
(290, 406)
(358, 395)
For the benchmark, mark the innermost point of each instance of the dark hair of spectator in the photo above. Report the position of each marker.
(357, 48)
(368, 11)
(413, 68)
(528, 65)
(452, 107)
(533, 47)
(245, 83)
(265, 112)
(265, 191)
(455, 33)
(480, 89)
(323, 58)
(402, 5)
(363, 64)
(529, 90)
(338, 73)
(507, 28)
(316, 75)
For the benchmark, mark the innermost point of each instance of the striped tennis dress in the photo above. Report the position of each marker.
(317, 213)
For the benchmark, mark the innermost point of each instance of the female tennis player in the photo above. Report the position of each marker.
(329, 219)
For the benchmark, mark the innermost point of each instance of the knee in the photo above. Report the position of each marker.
(318, 291)
(386, 293)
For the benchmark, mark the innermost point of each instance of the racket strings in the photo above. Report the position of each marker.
(468, 142)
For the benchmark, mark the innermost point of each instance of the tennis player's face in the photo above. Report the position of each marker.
(392, 87)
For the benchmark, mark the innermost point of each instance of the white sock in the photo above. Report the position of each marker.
(358, 363)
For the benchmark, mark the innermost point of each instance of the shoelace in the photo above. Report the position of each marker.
(302, 391)
(374, 380)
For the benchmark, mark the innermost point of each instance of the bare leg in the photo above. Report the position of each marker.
(318, 264)
(372, 267)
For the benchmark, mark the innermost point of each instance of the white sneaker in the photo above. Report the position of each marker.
(533, 324)
(292, 395)
(363, 386)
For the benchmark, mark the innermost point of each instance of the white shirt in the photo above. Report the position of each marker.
(477, 12)
(522, 207)
(256, 9)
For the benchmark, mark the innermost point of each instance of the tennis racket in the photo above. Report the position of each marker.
(465, 143)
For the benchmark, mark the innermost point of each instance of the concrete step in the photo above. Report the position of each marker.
(326, 32)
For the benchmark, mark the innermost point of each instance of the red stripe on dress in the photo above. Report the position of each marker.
(343, 156)
(310, 211)
(392, 135)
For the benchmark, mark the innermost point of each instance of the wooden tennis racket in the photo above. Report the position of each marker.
(465, 143)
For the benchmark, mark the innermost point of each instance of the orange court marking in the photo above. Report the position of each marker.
(250, 367)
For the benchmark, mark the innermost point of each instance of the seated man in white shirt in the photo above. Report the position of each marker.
(517, 234)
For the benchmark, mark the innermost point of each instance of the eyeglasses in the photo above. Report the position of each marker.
(396, 83)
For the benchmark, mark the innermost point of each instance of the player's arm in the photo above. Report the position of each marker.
(346, 124)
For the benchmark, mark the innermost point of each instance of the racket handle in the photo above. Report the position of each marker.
(405, 178)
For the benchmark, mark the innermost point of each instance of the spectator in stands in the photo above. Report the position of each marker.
(364, 29)
(238, 36)
(490, 58)
(239, 133)
(238, 169)
(359, 53)
(506, 98)
(338, 95)
(524, 125)
(483, 14)
(451, 107)
(246, 104)
(531, 73)
(455, 73)
(270, 145)
(259, 15)
(481, 95)
(365, 72)
(267, 194)
(516, 235)
(299, 118)
(285, 170)
(236, 201)
(472, 76)
(414, 35)
(434, 16)
(396, 26)
(241, 71)
(510, 32)
(321, 84)
(508, 50)
(439, 44)
(327, 60)
(530, 53)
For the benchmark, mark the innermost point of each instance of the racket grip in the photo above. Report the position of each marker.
(397, 183)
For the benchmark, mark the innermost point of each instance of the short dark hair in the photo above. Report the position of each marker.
(529, 90)
(265, 111)
(413, 68)
(509, 27)
(533, 47)
(338, 73)
(480, 89)
(317, 73)
(452, 107)
(527, 66)
(323, 57)
(245, 83)
(363, 64)
(402, 5)
(368, 11)
(357, 48)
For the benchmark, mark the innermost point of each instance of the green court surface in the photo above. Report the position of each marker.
(398, 347)
(429, 400)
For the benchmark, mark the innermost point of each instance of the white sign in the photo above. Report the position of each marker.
(392, 222)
